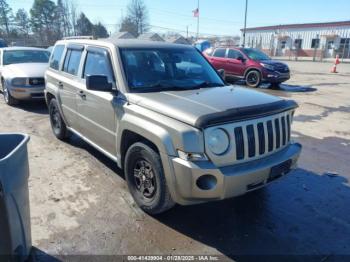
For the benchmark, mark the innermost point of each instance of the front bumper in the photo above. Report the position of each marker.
(275, 77)
(232, 180)
(27, 93)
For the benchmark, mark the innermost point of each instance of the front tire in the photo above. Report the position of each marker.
(146, 180)
(7, 96)
(58, 126)
(253, 78)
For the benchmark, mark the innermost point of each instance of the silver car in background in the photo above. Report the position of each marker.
(22, 72)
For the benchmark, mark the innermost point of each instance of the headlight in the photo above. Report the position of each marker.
(218, 141)
(19, 81)
(269, 67)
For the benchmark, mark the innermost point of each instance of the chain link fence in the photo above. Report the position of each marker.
(25, 41)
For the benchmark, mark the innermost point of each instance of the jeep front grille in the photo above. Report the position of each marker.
(253, 139)
(262, 137)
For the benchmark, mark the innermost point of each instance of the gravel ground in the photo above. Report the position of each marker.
(80, 204)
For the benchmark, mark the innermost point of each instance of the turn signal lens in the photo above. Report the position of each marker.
(191, 156)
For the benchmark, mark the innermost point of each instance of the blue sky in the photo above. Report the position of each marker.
(217, 17)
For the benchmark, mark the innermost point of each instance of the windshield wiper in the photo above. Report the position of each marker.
(209, 84)
(159, 86)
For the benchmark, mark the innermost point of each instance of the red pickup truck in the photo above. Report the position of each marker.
(249, 64)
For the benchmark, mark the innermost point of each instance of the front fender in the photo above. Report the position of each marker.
(151, 131)
(7, 76)
(158, 136)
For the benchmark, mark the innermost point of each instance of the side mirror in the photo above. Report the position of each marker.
(221, 72)
(98, 83)
(241, 58)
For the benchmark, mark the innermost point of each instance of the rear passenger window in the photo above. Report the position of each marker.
(56, 57)
(72, 61)
(98, 64)
(234, 54)
(219, 52)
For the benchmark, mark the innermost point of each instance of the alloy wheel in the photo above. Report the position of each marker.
(252, 78)
(55, 118)
(144, 178)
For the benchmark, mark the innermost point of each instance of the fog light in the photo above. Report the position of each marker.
(19, 90)
(206, 182)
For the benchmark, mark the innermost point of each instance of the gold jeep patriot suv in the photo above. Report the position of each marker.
(167, 118)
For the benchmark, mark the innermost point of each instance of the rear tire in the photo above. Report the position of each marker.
(7, 96)
(145, 178)
(253, 78)
(58, 126)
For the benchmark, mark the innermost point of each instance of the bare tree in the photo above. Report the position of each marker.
(73, 16)
(63, 20)
(128, 25)
(138, 15)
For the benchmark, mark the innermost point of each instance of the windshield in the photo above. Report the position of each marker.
(25, 56)
(167, 69)
(255, 54)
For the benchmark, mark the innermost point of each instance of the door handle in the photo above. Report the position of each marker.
(82, 94)
(60, 85)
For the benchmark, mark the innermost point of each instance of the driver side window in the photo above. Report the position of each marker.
(234, 54)
(98, 64)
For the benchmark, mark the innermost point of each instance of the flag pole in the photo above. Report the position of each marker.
(245, 22)
(198, 19)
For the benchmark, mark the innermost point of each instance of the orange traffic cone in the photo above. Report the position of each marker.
(337, 61)
(334, 69)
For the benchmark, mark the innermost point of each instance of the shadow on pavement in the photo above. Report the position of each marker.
(38, 107)
(327, 110)
(295, 88)
(281, 88)
(302, 217)
(302, 214)
(76, 141)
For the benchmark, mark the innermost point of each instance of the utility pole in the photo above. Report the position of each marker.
(186, 31)
(245, 22)
(198, 20)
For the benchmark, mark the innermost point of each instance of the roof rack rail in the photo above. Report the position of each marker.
(78, 37)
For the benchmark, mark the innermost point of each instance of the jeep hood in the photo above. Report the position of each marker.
(210, 106)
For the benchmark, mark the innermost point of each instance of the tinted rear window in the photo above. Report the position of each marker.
(56, 57)
(72, 61)
(219, 52)
(25, 56)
